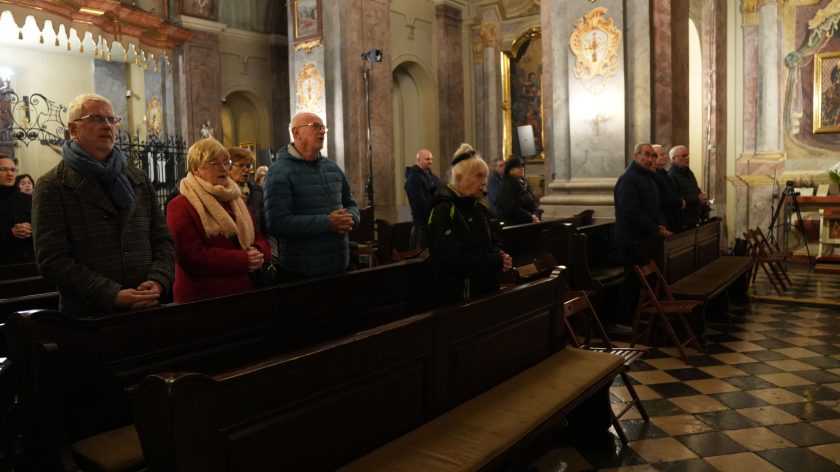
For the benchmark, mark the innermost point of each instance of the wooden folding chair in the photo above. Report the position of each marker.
(770, 261)
(656, 301)
(577, 309)
(778, 256)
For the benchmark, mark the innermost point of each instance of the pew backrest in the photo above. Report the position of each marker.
(72, 372)
(17, 271)
(323, 406)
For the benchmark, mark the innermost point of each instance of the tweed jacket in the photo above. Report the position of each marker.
(299, 196)
(89, 248)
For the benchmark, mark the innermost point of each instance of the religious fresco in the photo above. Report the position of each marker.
(525, 95)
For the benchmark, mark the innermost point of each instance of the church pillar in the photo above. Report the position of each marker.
(450, 80)
(586, 104)
(197, 68)
(769, 65)
(492, 122)
(762, 156)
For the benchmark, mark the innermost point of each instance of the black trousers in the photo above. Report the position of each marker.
(633, 254)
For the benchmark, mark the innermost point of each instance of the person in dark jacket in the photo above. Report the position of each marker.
(516, 203)
(638, 219)
(671, 201)
(420, 185)
(687, 187)
(308, 204)
(100, 235)
(494, 186)
(15, 217)
(465, 259)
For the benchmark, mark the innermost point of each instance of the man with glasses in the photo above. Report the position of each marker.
(686, 183)
(308, 204)
(15, 217)
(100, 236)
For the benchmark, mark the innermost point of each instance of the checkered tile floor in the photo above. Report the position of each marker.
(765, 396)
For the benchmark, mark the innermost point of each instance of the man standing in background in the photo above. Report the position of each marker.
(420, 185)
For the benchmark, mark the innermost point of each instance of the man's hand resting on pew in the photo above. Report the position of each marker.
(146, 295)
(663, 231)
(507, 262)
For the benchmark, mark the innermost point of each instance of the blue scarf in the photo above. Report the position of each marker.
(109, 172)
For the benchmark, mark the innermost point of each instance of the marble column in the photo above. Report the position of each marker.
(450, 79)
(491, 149)
(588, 119)
(198, 78)
(670, 66)
(768, 137)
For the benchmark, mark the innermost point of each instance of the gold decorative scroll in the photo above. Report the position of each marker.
(595, 42)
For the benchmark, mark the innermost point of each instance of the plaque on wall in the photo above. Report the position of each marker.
(201, 8)
(595, 42)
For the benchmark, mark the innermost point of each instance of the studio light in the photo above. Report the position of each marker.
(374, 55)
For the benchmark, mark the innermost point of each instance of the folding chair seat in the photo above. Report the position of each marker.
(769, 261)
(577, 309)
(657, 302)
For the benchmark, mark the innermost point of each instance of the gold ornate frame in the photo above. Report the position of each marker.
(308, 36)
(826, 93)
(507, 58)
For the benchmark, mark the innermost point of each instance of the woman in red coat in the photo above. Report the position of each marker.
(216, 244)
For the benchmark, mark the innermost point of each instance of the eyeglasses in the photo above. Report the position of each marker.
(3, 170)
(99, 119)
(318, 127)
(216, 164)
(243, 165)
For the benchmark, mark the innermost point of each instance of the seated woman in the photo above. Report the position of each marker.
(464, 257)
(216, 242)
(516, 203)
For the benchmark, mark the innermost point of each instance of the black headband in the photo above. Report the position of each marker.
(463, 157)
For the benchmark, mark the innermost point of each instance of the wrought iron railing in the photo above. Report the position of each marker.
(31, 118)
(35, 118)
(163, 158)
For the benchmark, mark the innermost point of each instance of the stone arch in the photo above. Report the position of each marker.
(246, 117)
(415, 117)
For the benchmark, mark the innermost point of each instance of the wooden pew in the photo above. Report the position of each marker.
(19, 287)
(71, 372)
(17, 271)
(321, 407)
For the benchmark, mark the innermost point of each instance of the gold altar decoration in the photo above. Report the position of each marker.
(595, 42)
(154, 116)
(310, 88)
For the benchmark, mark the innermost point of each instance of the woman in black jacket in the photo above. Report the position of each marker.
(516, 204)
(464, 256)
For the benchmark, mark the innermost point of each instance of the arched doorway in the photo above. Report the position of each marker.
(415, 119)
(244, 119)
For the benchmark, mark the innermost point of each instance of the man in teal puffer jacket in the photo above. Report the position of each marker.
(308, 204)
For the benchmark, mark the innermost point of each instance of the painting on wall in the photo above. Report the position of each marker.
(523, 90)
(307, 20)
(827, 92)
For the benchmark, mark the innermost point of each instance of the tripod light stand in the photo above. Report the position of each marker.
(368, 58)
(789, 201)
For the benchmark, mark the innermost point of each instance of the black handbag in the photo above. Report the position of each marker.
(265, 275)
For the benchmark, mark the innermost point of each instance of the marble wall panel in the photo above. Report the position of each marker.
(450, 78)
(638, 74)
(109, 80)
(597, 118)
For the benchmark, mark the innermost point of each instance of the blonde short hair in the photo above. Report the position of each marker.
(472, 165)
(75, 108)
(203, 151)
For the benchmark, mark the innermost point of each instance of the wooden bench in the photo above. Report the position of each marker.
(696, 270)
(17, 271)
(458, 388)
(71, 372)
